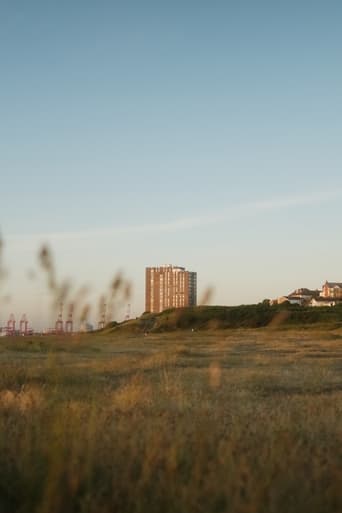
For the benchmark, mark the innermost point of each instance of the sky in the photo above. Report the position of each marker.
(196, 133)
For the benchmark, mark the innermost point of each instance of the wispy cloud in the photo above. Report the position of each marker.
(234, 211)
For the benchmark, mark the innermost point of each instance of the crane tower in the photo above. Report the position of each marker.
(11, 325)
(102, 322)
(70, 323)
(23, 325)
(59, 323)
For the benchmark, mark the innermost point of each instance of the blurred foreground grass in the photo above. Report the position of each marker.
(241, 421)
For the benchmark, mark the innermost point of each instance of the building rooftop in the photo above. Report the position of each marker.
(333, 284)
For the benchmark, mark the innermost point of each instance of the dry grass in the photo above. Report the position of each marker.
(233, 421)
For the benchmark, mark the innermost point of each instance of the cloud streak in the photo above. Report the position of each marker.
(232, 212)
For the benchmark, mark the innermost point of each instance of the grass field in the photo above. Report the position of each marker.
(234, 421)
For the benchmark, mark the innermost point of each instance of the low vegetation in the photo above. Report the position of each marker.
(225, 317)
(234, 421)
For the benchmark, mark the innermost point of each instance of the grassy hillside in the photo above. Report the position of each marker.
(224, 317)
(235, 421)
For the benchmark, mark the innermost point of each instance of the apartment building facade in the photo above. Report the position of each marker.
(169, 286)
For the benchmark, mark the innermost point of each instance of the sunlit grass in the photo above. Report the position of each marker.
(240, 421)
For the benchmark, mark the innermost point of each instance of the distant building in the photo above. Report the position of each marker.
(330, 295)
(300, 297)
(292, 300)
(303, 296)
(332, 289)
(324, 301)
(169, 286)
(306, 293)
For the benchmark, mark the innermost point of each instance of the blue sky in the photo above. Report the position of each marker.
(204, 134)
